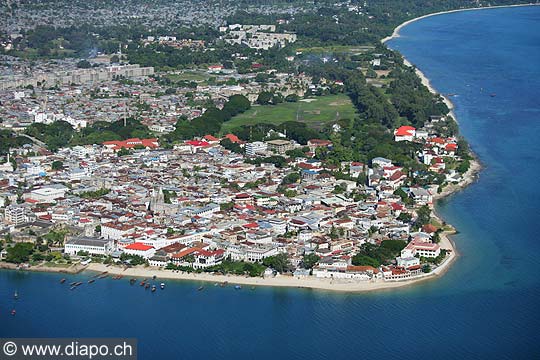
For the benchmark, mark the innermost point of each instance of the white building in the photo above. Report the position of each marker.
(47, 194)
(93, 246)
(255, 148)
(140, 249)
(15, 214)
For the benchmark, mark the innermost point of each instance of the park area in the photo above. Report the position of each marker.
(315, 112)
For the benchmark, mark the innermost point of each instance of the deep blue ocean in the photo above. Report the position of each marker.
(486, 306)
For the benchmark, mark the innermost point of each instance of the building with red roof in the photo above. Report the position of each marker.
(234, 139)
(117, 145)
(140, 249)
(404, 133)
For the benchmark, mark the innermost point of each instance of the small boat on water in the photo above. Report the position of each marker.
(146, 286)
(162, 286)
(216, 284)
(143, 282)
(73, 287)
(103, 276)
(493, 95)
(223, 284)
(253, 288)
(201, 288)
(154, 277)
(62, 281)
(73, 283)
(78, 284)
(153, 288)
(13, 312)
(16, 295)
(237, 287)
(91, 281)
(132, 281)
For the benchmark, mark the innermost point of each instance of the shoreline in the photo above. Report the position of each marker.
(285, 281)
(334, 285)
(395, 33)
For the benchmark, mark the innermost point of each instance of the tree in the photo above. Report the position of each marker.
(292, 98)
(84, 64)
(237, 104)
(265, 98)
(278, 262)
(57, 165)
(310, 260)
(424, 216)
(19, 253)
(364, 260)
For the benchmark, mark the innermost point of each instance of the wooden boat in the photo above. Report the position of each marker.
(201, 288)
(91, 281)
(62, 281)
(73, 283)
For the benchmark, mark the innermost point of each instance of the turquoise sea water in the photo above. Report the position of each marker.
(487, 306)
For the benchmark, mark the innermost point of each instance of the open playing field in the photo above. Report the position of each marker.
(188, 75)
(314, 111)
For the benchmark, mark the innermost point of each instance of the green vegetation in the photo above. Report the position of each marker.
(373, 255)
(237, 268)
(310, 260)
(211, 121)
(133, 259)
(227, 266)
(61, 134)
(94, 194)
(19, 253)
(9, 140)
(279, 262)
(314, 111)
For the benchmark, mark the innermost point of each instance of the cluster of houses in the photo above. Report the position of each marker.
(256, 36)
(198, 204)
(435, 148)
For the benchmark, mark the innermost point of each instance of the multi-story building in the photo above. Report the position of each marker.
(93, 246)
(15, 214)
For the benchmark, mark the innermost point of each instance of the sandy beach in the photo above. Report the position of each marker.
(141, 273)
(395, 33)
(73, 269)
(425, 80)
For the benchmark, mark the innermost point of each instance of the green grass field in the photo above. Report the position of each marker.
(188, 75)
(336, 49)
(314, 111)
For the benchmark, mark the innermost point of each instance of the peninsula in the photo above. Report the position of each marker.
(253, 155)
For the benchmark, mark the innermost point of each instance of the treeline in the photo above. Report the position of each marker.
(210, 122)
(61, 133)
(10, 140)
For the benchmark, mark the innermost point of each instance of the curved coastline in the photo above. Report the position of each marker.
(334, 285)
(395, 33)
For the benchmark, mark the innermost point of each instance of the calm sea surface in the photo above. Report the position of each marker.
(487, 306)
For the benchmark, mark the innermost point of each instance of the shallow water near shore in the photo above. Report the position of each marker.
(485, 306)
